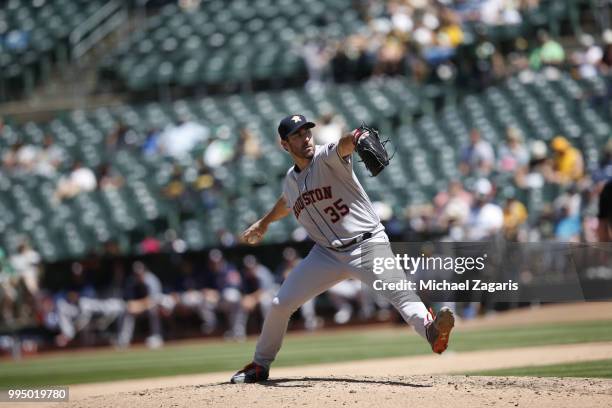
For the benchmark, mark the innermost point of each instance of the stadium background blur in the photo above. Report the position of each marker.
(138, 140)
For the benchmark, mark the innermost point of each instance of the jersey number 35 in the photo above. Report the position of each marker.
(338, 211)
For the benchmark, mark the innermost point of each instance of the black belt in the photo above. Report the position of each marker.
(360, 238)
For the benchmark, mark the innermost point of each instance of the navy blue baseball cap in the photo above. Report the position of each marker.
(291, 124)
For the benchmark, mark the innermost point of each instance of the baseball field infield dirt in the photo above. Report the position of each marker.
(420, 381)
(391, 382)
(374, 391)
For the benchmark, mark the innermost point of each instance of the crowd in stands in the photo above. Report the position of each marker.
(398, 37)
(50, 161)
(422, 40)
(482, 211)
(415, 38)
(472, 208)
(485, 208)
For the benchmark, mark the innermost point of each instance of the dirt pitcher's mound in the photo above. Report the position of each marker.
(351, 391)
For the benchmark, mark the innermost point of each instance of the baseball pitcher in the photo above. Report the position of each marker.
(323, 193)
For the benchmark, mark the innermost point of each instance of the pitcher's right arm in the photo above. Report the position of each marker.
(255, 233)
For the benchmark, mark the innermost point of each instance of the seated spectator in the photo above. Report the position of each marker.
(452, 209)
(513, 154)
(206, 186)
(421, 220)
(178, 141)
(80, 180)
(539, 169)
(189, 5)
(27, 156)
(329, 129)
(450, 33)
(317, 55)
(220, 150)
(570, 201)
(447, 37)
(142, 294)
(401, 17)
(354, 60)
(9, 158)
(178, 190)
(484, 55)
(478, 157)
(423, 34)
(249, 145)
(50, 157)
(587, 60)
(549, 52)
(117, 139)
(486, 218)
(515, 216)
(543, 229)
(568, 165)
(453, 205)
(176, 186)
(390, 55)
(500, 12)
(568, 227)
(108, 178)
(150, 146)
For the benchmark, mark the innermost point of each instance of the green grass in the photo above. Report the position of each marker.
(108, 364)
(598, 368)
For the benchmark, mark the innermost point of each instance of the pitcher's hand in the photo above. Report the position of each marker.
(254, 234)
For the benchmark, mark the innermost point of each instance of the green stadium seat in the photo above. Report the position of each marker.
(428, 148)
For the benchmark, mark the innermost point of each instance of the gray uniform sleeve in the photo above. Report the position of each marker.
(285, 192)
(330, 155)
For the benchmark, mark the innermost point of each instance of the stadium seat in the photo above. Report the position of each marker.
(427, 153)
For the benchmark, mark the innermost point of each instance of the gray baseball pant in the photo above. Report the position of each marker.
(322, 269)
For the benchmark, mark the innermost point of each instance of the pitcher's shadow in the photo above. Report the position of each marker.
(280, 381)
(286, 382)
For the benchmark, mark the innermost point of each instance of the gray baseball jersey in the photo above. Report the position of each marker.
(328, 201)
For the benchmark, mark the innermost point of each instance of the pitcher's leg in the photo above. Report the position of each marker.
(407, 302)
(315, 274)
(436, 330)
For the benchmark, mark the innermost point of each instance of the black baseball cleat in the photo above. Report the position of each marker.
(251, 373)
(438, 330)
